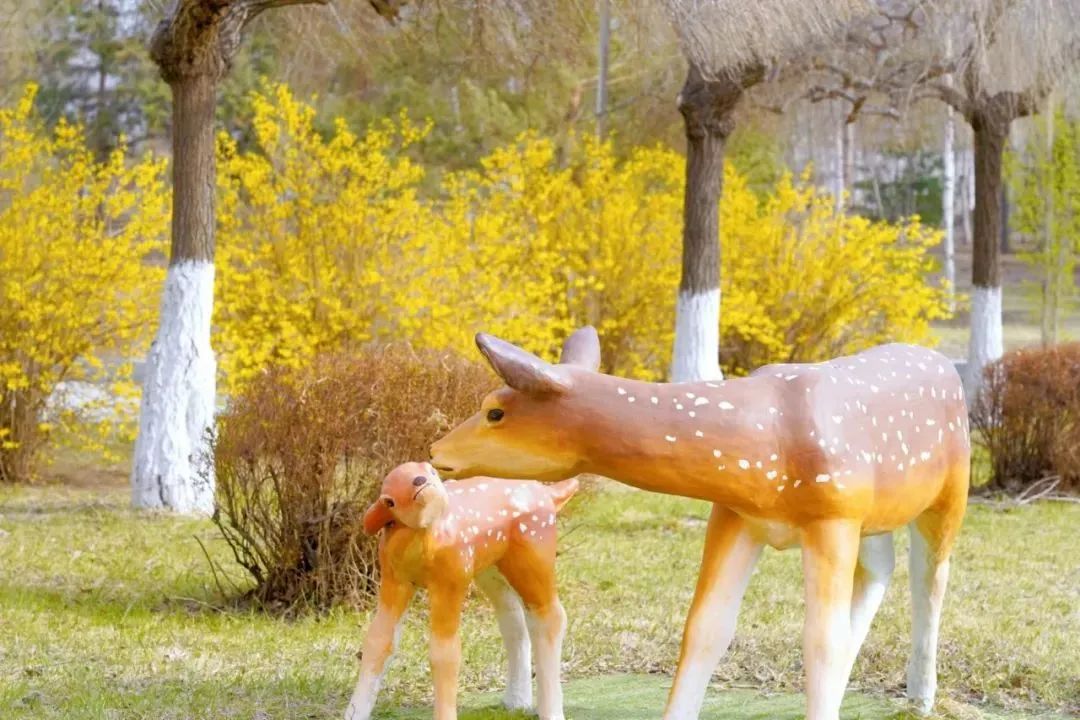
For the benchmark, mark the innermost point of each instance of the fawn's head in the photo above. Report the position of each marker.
(412, 495)
(531, 428)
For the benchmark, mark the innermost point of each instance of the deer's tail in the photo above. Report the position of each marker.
(561, 492)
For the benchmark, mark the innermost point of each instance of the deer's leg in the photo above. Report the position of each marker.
(445, 652)
(872, 575)
(394, 597)
(531, 572)
(932, 537)
(830, 552)
(515, 633)
(726, 565)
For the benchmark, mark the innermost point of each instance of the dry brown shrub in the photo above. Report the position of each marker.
(299, 455)
(1027, 417)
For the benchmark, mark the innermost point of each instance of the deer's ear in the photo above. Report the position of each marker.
(377, 516)
(582, 349)
(520, 369)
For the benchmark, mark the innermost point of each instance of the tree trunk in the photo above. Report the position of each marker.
(193, 48)
(171, 468)
(948, 209)
(708, 108)
(986, 329)
(1050, 256)
(602, 68)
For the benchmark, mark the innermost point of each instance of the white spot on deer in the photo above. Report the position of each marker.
(773, 457)
(725, 405)
(931, 422)
(621, 391)
(771, 474)
(838, 419)
(744, 464)
(823, 477)
(712, 385)
(654, 400)
(798, 483)
(692, 413)
(924, 455)
(721, 467)
(701, 401)
(698, 433)
(773, 411)
(670, 438)
(759, 426)
(789, 378)
(900, 466)
(630, 399)
(717, 453)
(758, 464)
(522, 527)
(904, 447)
(678, 406)
(874, 388)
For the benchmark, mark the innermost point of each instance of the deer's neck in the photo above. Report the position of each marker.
(715, 441)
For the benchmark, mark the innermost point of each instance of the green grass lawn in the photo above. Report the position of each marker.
(106, 613)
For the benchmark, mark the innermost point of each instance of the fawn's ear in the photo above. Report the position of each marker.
(582, 349)
(377, 516)
(521, 369)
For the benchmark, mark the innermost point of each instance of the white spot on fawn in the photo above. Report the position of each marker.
(701, 401)
(725, 405)
(824, 477)
(744, 464)
(621, 391)
(670, 438)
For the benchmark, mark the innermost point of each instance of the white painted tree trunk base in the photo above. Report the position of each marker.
(986, 344)
(172, 468)
(697, 337)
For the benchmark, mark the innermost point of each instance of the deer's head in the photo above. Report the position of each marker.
(532, 427)
(412, 495)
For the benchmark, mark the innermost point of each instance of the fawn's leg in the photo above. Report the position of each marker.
(394, 597)
(531, 572)
(932, 537)
(515, 633)
(727, 563)
(830, 549)
(872, 574)
(446, 605)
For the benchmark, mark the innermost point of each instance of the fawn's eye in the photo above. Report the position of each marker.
(494, 415)
(389, 502)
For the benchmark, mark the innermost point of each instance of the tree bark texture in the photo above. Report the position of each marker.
(708, 109)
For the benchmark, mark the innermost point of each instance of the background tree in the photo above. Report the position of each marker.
(729, 46)
(193, 47)
(1044, 179)
(990, 61)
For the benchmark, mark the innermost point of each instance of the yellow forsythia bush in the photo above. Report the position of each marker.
(802, 283)
(77, 298)
(328, 242)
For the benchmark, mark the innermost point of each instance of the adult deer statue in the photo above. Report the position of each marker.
(831, 457)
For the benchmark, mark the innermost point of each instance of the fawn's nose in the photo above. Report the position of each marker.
(419, 480)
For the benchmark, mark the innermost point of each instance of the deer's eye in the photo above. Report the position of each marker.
(494, 415)
(389, 502)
